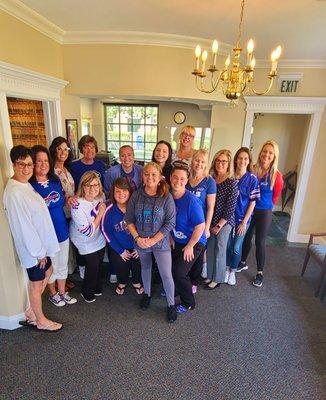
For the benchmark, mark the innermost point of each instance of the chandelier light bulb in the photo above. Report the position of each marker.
(215, 47)
(198, 51)
(253, 63)
(204, 56)
(278, 52)
(250, 46)
(227, 62)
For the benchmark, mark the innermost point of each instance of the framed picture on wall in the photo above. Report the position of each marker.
(72, 136)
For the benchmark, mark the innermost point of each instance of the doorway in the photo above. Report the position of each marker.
(311, 108)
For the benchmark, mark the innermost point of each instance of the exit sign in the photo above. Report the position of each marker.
(289, 83)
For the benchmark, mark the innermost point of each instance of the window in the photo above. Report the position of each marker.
(202, 140)
(134, 125)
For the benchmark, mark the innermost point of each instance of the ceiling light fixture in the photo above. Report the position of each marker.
(235, 78)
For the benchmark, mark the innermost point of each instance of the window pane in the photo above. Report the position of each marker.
(125, 114)
(139, 154)
(151, 133)
(197, 138)
(112, 114)
(151, 115)
(138, 133)
(138, 115)
(207, 138)
(125, 132)
(112, 132)
(114, 147)
(149, 147)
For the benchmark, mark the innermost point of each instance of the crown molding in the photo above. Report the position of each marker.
(285, 104)
(21, 81)
(295, 63)
(30, 17)
(27, 15)
(141, 38)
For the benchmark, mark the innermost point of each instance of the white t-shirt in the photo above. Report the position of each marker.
(30, 223)
(83, 234)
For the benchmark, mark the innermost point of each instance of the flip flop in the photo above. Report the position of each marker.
(28, 324)
(139, 289)
(47, 328)
(120, 290)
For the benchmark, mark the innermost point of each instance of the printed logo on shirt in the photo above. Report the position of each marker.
(121, 227)
(53, 197)
(179, 234)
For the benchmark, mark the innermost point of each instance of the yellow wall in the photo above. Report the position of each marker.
(24, 46)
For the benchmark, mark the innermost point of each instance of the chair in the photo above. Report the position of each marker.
(318, 252)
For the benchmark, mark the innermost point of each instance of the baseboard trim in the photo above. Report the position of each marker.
(298, 238)
(11, 323)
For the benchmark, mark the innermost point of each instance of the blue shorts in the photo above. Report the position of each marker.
(36, 273)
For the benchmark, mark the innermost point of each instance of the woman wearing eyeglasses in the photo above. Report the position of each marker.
(223, 218)
(48, 185)
(85, 232)
(186, 143)
(33, 233)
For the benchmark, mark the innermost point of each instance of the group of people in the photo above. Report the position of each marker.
(192, 221)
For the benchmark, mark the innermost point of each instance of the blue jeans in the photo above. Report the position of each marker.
(234, 249)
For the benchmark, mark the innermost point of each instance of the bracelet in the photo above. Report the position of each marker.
(135, 238)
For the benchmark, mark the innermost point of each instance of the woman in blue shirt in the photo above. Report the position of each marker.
(203, 186)
(188, 236)
(48, 185)
(122, 253)
(248, 194)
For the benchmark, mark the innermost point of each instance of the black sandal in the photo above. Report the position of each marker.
(138, 288)
(120, 289)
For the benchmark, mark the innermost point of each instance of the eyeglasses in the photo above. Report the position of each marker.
(94, 186)
(23, 165)
(223, 162)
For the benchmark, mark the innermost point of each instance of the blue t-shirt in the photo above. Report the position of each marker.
(78, 168)
(248, 191)
(189, 215)
(115, 231)
(205, 187)
(52, 193)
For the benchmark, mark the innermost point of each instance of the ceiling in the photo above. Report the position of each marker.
(298, 25)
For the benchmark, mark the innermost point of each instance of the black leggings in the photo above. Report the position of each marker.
(260, 224)
(124, 267)
(92, 280)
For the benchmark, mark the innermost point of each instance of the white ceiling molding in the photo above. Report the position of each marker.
(27, 15)
(22, 82)
(285, 104)
(141, 38)
(30, 17)
(283, 63)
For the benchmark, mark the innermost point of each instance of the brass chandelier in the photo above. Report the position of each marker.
(235, 78)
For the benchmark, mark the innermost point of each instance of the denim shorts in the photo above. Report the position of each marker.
(36, 273)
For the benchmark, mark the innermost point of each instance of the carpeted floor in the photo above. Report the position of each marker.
(240, 342)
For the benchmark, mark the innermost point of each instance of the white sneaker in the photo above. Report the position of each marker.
(113, 278)
(81, 271)
(204, 271)
(232, 281)
(68, 299)
(57, 300)
(227, 274)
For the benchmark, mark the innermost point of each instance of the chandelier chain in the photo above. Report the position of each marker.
(240, 23)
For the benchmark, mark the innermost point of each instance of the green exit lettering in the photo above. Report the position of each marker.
(289, 86)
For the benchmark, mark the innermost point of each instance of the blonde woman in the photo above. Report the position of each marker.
(270, 183)
(223, 218)
(85, 232)
(203, 186)
(186, 143)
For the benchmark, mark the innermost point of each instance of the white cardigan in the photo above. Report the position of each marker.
(30, 223)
